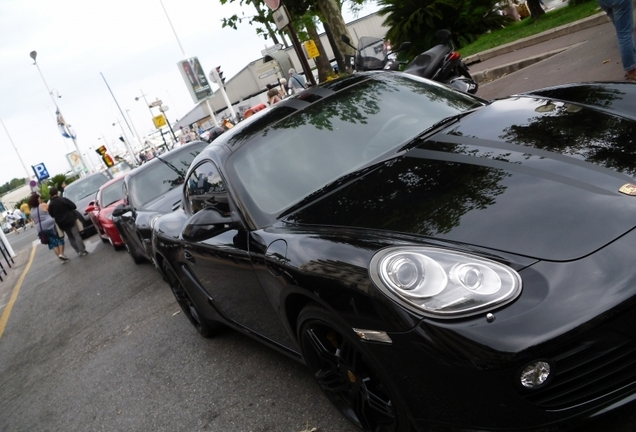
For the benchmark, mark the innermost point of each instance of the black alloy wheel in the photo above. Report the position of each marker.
(335, 357)
(188, 307)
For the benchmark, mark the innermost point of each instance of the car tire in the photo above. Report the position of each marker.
(136, 258)
(205, 328)
(104, 240)
(346, 373)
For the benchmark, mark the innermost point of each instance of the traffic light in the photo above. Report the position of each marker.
(220, 74)
(108, 161)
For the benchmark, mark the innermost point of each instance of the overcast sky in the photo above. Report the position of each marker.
(131, 43)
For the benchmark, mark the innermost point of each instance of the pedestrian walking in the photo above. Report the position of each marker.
(24, 208)
(63, 211)
(621, 12)
(273, 95)
(13, 221)
(45, 223)
(297, 83)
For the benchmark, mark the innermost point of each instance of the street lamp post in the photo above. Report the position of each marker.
(16, 150)
(33, 55)
(135, 130)
(124, 138)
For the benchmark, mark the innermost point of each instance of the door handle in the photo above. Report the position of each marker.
(188, 257)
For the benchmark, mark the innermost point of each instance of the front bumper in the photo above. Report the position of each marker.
(578, 316)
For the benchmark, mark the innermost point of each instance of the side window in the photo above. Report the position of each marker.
(205, 188)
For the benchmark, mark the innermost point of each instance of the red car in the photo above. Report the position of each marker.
(109, 196)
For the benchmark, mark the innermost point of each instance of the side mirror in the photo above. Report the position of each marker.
(403, 46)
(121, 209)
(90, 208)
(207, 223)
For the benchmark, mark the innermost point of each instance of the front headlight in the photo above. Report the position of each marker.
(443, 284)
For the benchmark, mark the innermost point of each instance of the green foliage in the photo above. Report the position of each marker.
(527, 27)
(417, 21)
(57, 180)
(13, 184)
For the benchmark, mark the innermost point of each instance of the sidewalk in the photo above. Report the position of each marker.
(491, 64)
(12, 276)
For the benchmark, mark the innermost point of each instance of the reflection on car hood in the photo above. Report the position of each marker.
(164, 203)
(526, 176)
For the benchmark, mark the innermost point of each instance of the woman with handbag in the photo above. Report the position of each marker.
(45, 225)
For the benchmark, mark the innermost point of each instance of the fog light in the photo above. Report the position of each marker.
(535, 374)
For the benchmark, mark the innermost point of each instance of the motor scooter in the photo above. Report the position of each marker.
(443, 64)
(373, 53)
(440, 63)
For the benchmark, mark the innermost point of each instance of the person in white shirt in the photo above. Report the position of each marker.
(296, 82)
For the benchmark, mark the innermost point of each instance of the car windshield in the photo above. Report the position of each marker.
(156, 178)
(371, 53)
(313, 147)
(119, 169)
(82, 188)
(112, 193)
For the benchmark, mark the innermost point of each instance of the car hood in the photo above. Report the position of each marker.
(524, 175)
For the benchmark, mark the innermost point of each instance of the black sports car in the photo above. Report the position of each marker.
(436, 260)
(150, 190)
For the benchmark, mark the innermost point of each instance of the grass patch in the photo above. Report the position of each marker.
(528, 27)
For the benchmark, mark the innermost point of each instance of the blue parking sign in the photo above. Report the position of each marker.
(40, 172)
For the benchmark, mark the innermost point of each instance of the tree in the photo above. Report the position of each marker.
(328, 11)
(416, 21)
(263, 17)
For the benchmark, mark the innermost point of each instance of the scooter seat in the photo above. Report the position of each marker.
(425, 64)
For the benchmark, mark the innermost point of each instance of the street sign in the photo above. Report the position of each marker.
(160, 121)
(271, 49)
(155, 103)
(312, 49)
(281, 18)
(40, 172)
(268, 73)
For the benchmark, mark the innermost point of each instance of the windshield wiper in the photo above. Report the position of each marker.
(172, 167)
(330, 187)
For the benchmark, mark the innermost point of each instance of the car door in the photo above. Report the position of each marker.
(220, 259)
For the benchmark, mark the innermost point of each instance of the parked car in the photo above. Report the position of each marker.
(436, 260)
(100, 211)
(6, 227)
(150, 190)
(82, 192)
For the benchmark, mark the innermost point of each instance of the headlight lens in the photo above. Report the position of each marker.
(443, 284)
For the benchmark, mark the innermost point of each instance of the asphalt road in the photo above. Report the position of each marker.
(99, 344)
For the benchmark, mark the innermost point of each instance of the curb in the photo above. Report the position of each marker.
(493, 73)
(591, 21)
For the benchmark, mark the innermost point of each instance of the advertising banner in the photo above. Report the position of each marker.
(75, 161)
(195, 79)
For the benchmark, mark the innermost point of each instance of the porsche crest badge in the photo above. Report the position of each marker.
(628, 189)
